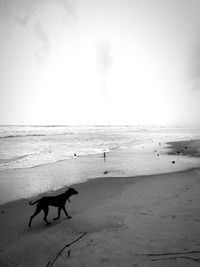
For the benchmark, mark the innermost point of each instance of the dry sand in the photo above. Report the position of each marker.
(137, 221)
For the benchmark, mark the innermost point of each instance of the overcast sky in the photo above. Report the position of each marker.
(100, 62)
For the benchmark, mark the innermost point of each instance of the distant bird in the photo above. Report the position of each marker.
(74, 154)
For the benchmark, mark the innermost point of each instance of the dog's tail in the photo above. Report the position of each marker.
(33, 203)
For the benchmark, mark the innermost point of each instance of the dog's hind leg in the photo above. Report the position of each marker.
(59, 211)
(65, 211)
(38, 209)
(46, 210)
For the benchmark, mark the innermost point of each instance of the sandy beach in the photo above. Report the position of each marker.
(146, 220)
(100, 99)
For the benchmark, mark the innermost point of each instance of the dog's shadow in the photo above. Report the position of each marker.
(41, 227)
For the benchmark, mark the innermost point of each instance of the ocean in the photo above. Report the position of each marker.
(29, 146)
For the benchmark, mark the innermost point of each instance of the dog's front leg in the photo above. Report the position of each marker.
(65, 211)
(56, 218)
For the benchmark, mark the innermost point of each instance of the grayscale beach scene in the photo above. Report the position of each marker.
(99, 133)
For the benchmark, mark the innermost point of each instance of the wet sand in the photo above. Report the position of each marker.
(129, 221)
(187, 148)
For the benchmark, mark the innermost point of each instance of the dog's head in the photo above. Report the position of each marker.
(71, 191)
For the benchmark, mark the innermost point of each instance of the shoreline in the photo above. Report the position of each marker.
(131, 161)
(135, 143)
(96, 179)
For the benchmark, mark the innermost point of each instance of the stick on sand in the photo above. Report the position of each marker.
(49, 264)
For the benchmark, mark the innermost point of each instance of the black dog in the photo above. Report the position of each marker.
(55, 201)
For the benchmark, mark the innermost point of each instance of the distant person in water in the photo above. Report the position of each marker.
(104, 156)
(75, 155)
